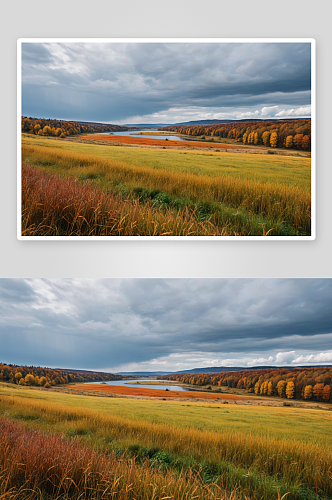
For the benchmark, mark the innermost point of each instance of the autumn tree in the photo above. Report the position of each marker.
(18, 376)
(47, 130)
(326, 394)
(305, 142)
(290, 389)
(266, 138)
(29, 379)
(318, 391)
(270, 389)
(298, 140)
(274, 140)
(289, 141)
(281, 388)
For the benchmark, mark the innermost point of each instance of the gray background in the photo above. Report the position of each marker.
(165, 18)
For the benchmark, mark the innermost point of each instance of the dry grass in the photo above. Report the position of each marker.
(275, 202)
(292, 462)
(35, 465)
(52, 206)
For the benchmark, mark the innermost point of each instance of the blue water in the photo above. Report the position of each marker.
(134, 133)
(147, 386)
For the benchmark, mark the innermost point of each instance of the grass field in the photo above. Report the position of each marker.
(229, 193)
(245, 451)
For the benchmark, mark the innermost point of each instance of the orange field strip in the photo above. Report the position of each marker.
(157, 393)
(144, 141)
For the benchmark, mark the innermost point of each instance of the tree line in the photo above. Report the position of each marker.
(47, 377)
(60, 128)
(289, 134)
(290, 383)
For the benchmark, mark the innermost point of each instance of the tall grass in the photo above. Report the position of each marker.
(275, 202)
(35, 465)
(287, 461)
(52, 206)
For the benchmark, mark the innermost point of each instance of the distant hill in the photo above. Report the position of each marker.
(147, 125)
(210, 122)
(143, 374)
(245, 120)
(217, 369)
(222, 369)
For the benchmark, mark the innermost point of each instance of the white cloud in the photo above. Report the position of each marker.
(260, 361)
(285, 357)
(322, 357)
(248, 114)
(268, 111)
(303, 111)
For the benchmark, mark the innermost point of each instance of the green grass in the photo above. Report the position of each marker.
(289, 170)
(280, 422)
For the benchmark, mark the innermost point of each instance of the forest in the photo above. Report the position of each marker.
(290, 134)
(61, 128)
(290, 383)
(47, 377)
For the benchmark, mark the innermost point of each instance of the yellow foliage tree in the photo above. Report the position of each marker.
(269, 389)
(281, 388)
(266, 138)
(29, 379)
(47, 130)
(274, 140)
(290, 389)
(307, 392)
(289, 141)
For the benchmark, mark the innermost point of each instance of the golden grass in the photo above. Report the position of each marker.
(292, 461)
(274, 201)
(52, 206)
(276, 169)
(35, 465)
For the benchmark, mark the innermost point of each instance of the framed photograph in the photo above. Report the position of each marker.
(166, 138)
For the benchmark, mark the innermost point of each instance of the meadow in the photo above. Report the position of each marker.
(59, 445)
(172, 192)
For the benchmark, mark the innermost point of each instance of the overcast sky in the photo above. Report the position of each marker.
(165, 82)
(165, 324)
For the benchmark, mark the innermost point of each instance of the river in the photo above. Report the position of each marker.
(147, 386)
(136, 133)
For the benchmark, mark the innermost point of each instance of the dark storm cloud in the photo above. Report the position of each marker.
(107, 323)
(108, 82)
